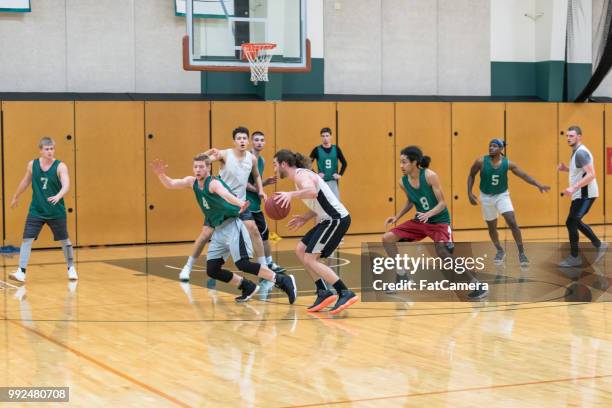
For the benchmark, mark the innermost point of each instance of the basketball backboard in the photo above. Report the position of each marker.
(216, 29)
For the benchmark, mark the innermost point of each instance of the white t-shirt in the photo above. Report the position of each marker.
(236, 172)
(580, 158)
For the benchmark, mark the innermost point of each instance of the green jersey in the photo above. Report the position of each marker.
(214, 207)
(493, 180)
(46, 184)
(253, 197)
(424, 199)
(327, 162)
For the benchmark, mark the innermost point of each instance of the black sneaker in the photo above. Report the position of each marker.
(248, 289)
(286, 283)
(478, 294)
(275, 268)
(347, 298)
(324, 298)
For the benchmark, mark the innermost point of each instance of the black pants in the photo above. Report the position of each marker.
(579, 208)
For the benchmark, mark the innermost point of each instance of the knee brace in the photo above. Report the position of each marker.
(214, 270)
(247, 266)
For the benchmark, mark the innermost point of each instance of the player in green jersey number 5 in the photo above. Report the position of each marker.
(50, 183)
(495, 198)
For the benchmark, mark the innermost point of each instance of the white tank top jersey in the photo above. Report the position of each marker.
(326, 205)
(576, 174)
(235, 172)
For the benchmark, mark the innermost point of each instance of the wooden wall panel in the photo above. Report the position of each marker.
(608, 166)
(589, 116)
(298, 126)
(427, 125)
(110, 161)
(532, 137)
(24, 124)
(473, 125)
(175, 133)
(226, 116)
(366, 136)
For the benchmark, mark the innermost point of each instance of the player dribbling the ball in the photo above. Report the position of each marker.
(333, 222)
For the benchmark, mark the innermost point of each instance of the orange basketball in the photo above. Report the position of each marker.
(275, 211)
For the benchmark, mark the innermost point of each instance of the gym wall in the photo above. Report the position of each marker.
(115, 198)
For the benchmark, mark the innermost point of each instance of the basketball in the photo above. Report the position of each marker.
(275, 211)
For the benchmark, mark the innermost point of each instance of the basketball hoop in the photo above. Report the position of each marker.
(259, 58)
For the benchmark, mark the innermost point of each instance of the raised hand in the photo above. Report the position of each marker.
(159, 167)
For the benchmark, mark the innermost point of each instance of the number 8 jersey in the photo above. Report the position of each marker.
(424, 199)
(46, 184)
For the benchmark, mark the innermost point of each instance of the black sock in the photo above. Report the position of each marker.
(320, 284)
(340, 286)
(574, 249)
(22, 269)
(520, 247)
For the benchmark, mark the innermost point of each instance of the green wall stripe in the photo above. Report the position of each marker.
(543, 79)
(549, 80)
(513, 78)
(226, 83)
(16, 10)
(578, 76)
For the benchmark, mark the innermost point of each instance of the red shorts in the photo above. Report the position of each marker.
(416, 231)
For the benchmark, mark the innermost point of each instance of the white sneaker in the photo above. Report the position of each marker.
(72, 286)
(187, 289)
(72, 274)
(184, 275)
(18, 275)
(20, 294)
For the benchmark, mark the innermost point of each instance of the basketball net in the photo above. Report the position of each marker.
(259, 56)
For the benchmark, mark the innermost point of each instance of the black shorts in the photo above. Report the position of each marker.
(325, 237)
(262, 226)
(33, 226)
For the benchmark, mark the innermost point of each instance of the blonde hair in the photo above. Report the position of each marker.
(46, 141)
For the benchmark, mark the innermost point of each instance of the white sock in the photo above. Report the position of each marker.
(268, 260)
(262, 261)
(190, 262)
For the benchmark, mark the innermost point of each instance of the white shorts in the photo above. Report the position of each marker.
(231, 237)
(493, 205)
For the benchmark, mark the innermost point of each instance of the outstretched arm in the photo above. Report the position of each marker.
(434, 182)
(520, 173)
(216, 154)
(298, 220)
(62, 172)
(476, 167)
(159, 167)
(25, 182)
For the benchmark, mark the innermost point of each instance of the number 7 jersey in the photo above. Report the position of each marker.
(46, 184)
(424, 199)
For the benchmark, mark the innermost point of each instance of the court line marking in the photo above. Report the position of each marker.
(103, 365)
(342, 262)
(10, 285)
(421, 394)
(492, 309)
